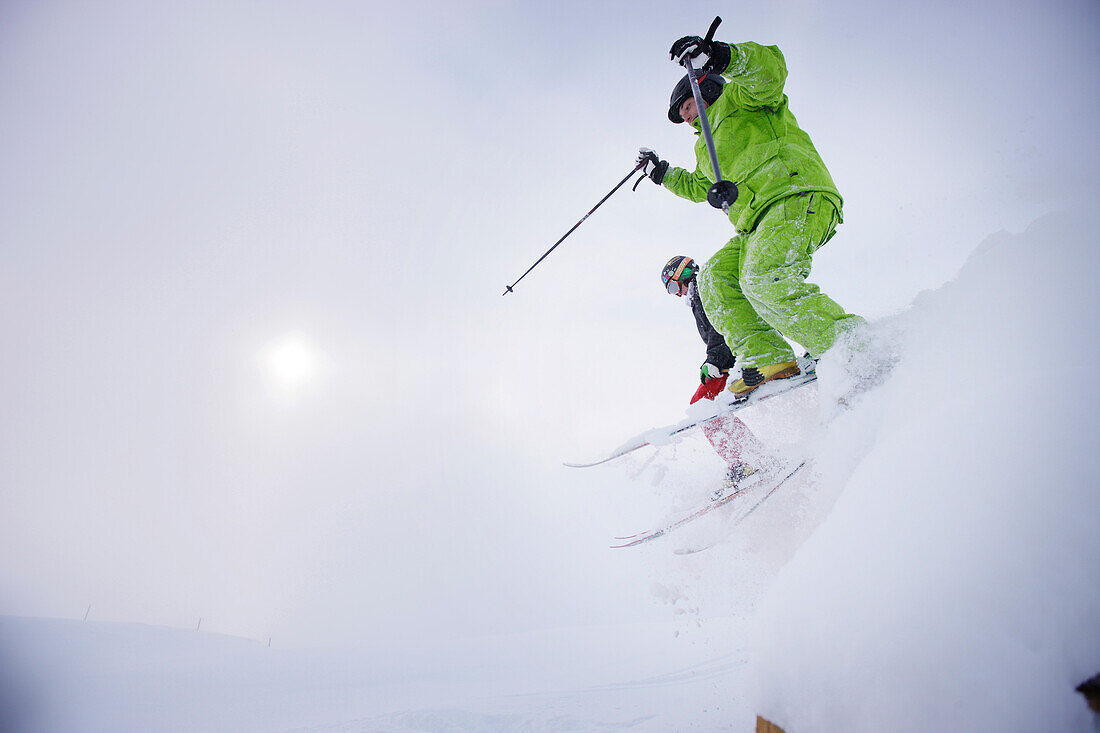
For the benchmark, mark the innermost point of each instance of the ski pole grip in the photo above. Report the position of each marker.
(712, 29)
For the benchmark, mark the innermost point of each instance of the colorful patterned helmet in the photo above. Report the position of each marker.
(679, 270)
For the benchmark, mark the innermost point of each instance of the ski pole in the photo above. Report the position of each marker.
(634, 170)
(722, 193)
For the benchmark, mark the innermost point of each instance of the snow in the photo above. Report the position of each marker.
(186, 185)
(955, 583)
(98, 677)
(936, 569)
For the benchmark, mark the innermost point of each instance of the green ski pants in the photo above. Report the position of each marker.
(754, 289)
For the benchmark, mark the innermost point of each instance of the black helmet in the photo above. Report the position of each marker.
(710, 86)
(678, 270)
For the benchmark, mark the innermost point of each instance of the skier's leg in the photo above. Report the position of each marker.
(776, 264)
(733, 441)
(731, 438)
(749, 337)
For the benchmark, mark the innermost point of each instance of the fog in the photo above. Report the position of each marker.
(186, 190)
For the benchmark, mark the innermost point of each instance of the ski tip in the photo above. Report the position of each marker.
(637, 539)
(590, 464)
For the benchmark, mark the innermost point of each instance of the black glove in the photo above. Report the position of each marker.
(660, 167)
(717, 53)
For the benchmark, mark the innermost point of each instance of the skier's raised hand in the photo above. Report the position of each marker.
(692, 47)
(646, 158)
(706, 56)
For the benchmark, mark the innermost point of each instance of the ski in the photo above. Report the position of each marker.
(641, 537)
(763, 393)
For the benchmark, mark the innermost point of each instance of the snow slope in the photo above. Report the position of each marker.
(939, 569)
(955, 585)
(83, 677)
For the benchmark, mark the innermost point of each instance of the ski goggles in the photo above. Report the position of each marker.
(673, 287)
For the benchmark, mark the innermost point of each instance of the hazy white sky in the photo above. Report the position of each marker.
(189, 190)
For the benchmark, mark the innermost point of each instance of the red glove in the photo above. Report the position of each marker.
(710, 389)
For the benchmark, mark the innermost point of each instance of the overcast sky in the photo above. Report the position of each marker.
(256, 365)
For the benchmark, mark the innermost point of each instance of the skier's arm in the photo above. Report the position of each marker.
(691, 185)
(756, 75)
(718, 353)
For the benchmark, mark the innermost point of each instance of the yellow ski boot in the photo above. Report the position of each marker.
(753, 377)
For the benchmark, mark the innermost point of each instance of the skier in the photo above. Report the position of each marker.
(730, 437)
(754, 288)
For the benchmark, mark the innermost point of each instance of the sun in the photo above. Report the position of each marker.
(292, 362)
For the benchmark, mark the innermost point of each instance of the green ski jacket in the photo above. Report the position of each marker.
(759, 144)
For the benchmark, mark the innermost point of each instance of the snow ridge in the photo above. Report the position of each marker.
(954, 584)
